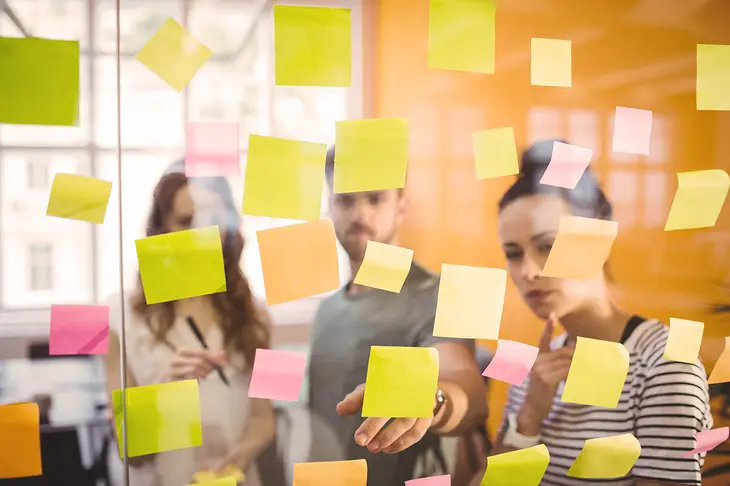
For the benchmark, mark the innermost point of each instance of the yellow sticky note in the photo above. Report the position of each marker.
(606, 457)
(401, 382)
(283, 178)
(160, 418)
(384, 267)
(174, 55)
(39, 81)
(470, 302)
(312, 46)
(181, 265)
(721, 371)
(684, 341)
(523, 467)
(581, 247)
(20, 441)
(203, 480)
(461, 35)
(78, 197)
(713, 77)
(597, 373)
(699, 199)
(371, 155)
(551, 63)
(334, 473)
(495, 153)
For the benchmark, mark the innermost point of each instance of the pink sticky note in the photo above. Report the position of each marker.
(512, 362)
(444, 480)
(632, 131)
(567, 165)
(277, 375)
(212, 149)
(709, 439)
(79, 329)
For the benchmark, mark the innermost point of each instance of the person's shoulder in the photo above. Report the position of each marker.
(648, 343)
(330, 302)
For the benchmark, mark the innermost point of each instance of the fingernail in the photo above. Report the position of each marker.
(374, 447)
(388, 450)
(361, 438)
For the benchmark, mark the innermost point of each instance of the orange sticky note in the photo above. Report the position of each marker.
(713, 77)
(299, 260)
(550, 62)
(384, 267)
(721, 371)
(334, 473)
(20, 441)
(581, 247)
(685, 338)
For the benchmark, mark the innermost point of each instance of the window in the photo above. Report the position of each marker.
(37, 174)
(40, 261)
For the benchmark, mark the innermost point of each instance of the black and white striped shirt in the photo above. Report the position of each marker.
(663, 403)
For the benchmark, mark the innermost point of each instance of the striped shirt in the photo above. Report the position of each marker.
(663, 404)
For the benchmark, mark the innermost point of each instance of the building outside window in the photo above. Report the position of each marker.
(40, 266)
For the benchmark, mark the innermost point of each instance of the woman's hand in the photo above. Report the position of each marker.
(189, 364)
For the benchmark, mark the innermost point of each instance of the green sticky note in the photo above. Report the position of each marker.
(312, 46)
(283, 178)
(79, 197)
(160, 418)
(39, 81)
(713, 77)
(181, 265)
(371, 155)
(461, 35)
(495, 153)
(401, 382)
(523, 467)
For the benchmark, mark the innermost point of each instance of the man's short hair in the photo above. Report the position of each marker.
(329, 165)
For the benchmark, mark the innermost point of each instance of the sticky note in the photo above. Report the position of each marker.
(312, 46)
(79, 197)
(523, 467)
(228, 481)
(581, 248)
(632, 130)
(20, 441)
(39, 81)
(470, 301)
(160, 418)
(334, 473)
(721, 371)
(707, 440)
(461, 35)
(181, 265)
(495, 153)
(299, 260)
(229, 476)
(713, 77)
(174, 54)
(401, 382)
(277, 375)
(284, 178)
(512, 362)
(699, 199)
(384, 267)
(550, 62)
(212, 150)
(372, 155)
(685, 338)
(79, 329)
(597, 373)
(567, 165)
(606, 457)
(443, 480)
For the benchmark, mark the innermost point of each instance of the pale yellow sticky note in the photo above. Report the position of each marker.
(78, 197)
(581, 248)
(551, 62)
(523, 467)
(713, 77)
(210, 480)
(699, 199)
(495, 153)
(174, 55)
(685, 338)
(597, 373)
(470, 302)
(335, 473)
(384, 267)
(606, 457)
(371, 155)
(721, 371)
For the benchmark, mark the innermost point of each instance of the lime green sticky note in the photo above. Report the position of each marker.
(699, 199)
(401, 382)
(160, 417)
(523, 467)
(713, 77)
(181, 265)
(606, 457)
(371, 155)
(495, 153)
(312, 46)
(75, 196)
(39, 81)
(174, 55)
(461, 35)
(597, 373)
(283, 178)
(551, 62)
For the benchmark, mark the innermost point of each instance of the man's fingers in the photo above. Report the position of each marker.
(391, 433)
(413, 435)
(352, 402)
(369, 429)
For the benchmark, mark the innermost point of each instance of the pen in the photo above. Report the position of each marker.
(199, 336)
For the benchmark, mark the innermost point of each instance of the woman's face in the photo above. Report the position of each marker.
(196, 207)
